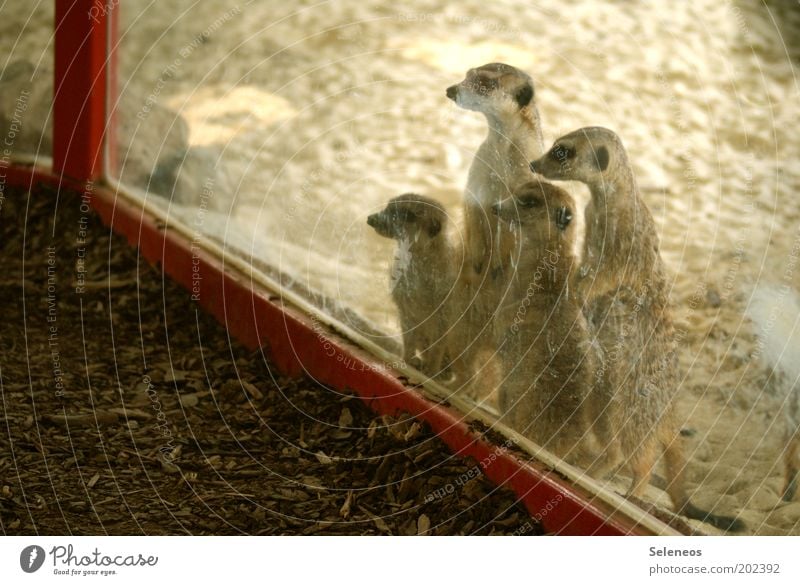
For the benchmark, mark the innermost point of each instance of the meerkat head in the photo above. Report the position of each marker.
(543, 212)
(588, 155)
(494, 89)
(411, 217)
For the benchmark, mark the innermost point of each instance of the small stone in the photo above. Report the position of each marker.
(189, 400)
(713, 299)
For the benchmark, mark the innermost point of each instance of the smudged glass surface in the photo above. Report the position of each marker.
(276, 131)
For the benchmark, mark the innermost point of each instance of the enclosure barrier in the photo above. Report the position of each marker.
(259, 318)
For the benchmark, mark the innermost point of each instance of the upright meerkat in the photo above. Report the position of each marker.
(547, 364)
(624, 287)
(422, 275)
(506, 97)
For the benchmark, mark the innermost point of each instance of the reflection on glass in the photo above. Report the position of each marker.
(287, 134)
(26, 85)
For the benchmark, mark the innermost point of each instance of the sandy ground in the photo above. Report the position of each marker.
(323, 111)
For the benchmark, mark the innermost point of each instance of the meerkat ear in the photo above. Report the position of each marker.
(434, 228)
(563, 218)
(524, 95)
(601, 158)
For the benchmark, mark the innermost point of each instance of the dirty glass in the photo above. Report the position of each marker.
(26, 83)
(284, 133)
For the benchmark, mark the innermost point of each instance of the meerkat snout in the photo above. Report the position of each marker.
(377, 221)
(452, 92)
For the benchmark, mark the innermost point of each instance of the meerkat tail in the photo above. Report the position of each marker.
(775, 311)
(676, 488)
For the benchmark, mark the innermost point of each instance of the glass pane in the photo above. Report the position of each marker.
(26, 81)
(283, 132)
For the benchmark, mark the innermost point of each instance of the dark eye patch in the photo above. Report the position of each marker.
(524, 95)
(529, 202)
(563, 217)
(562, 152)
(402, 215)
(601, 158)
(484, 83)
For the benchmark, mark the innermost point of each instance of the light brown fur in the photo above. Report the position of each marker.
(544, 350)
(505, 96)
(423, 272)
(623, 284)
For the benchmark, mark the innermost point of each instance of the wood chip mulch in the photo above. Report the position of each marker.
(124, 409)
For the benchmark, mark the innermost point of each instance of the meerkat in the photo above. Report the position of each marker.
(774, 311)
(547, 363)
(422, 276)
(505, 95)
(623, 284)
(195, 176)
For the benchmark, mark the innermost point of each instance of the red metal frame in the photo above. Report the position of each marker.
(79, 88)
(254, 316)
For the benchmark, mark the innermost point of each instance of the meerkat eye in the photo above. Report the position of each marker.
(529, 202)
(562, 152)
(485, 84)
(563, 217)
(402, 216)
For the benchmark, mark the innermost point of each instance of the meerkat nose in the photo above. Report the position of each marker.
(452, 92)
(533, 166)
(372, 220)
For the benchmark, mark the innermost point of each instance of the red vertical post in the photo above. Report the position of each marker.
(79, 90)
(112, 95)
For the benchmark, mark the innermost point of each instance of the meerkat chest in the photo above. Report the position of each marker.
(486, 187)
(418, 278)
(492, 174)
(542, 329)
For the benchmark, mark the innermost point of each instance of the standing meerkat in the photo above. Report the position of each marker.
(545, 354)
(506, 97)
(623, 284)
(422, 275)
